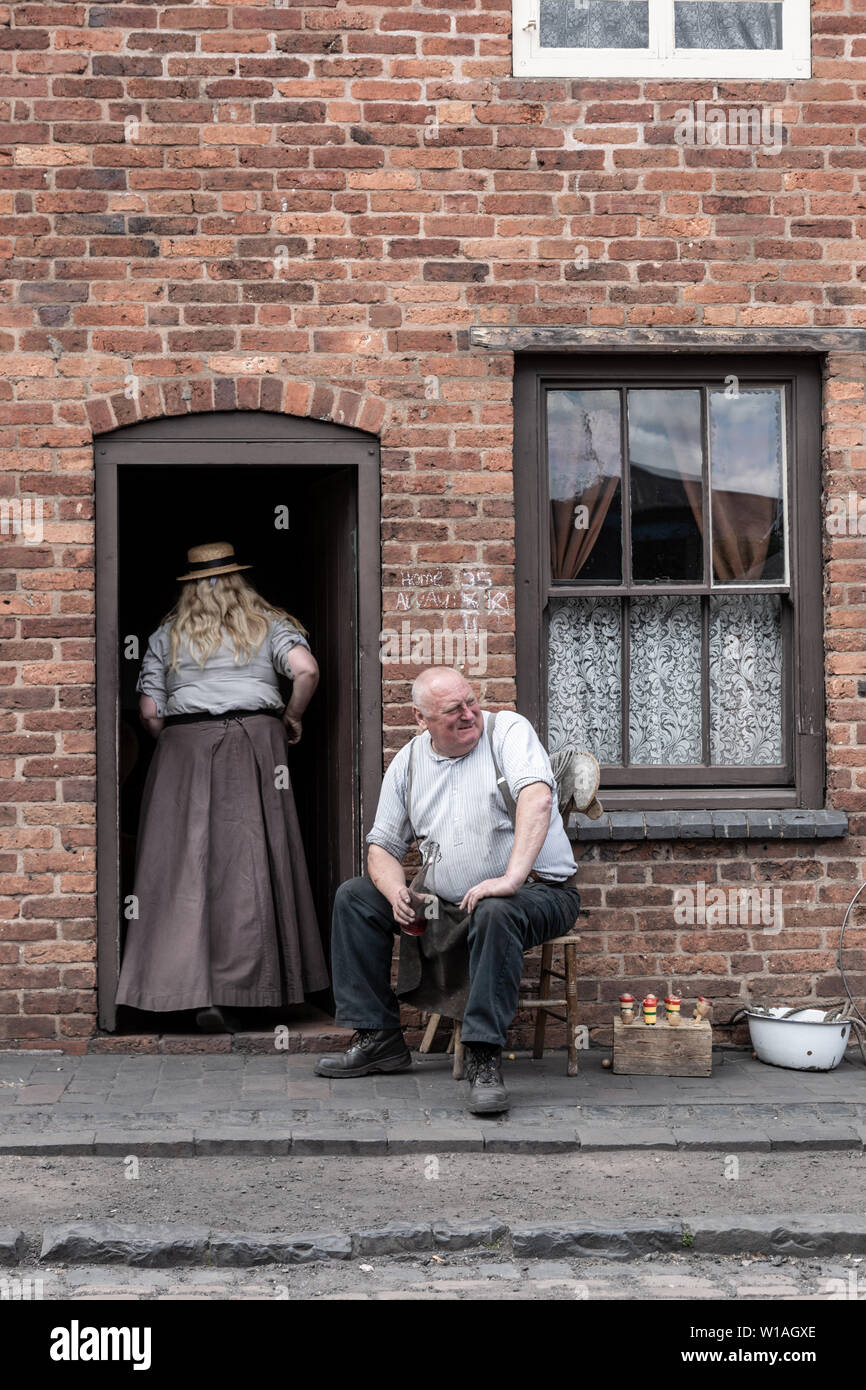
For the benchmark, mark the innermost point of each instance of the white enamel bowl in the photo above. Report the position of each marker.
(803, 1041)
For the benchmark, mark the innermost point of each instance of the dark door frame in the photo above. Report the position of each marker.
(215, 439)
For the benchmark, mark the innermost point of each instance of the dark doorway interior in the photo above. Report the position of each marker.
(307, 568)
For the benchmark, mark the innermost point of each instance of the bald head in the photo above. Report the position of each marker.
(437, 685)
(445, 703)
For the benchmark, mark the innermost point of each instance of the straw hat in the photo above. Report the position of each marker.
(206, 561)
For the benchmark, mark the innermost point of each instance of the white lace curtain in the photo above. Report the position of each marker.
(665, 714)
(698, 24)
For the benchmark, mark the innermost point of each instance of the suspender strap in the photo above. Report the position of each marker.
(501, 783)
(409, 784)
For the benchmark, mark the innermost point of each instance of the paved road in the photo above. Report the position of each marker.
(663, 1277)
(241, 1193)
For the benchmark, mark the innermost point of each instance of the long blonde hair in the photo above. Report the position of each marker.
(207, 612)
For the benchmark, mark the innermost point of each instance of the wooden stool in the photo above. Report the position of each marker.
(543, 1004)
(454, 1043)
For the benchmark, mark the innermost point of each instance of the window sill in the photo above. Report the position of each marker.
(709, 825)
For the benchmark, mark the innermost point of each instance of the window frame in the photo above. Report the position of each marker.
(801, 782)
(662, 59)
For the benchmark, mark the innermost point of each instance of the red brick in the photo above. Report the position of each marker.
(157, 251)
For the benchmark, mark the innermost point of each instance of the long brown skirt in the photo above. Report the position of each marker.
(225, 910)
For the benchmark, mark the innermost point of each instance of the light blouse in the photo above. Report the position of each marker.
(220, 684)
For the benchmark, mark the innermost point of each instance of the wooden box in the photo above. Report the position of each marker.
(658, 1049)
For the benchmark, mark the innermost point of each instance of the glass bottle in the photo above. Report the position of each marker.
(425, 904)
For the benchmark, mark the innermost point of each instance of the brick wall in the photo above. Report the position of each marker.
(306, 209)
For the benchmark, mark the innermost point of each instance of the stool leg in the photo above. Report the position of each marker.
(544, 979)
(457, 1069)
(570, 950)
(429, 1033)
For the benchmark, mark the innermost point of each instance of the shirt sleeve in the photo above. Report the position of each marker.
(522, 756)
(284, 636)
(391, 829)
(151, 677)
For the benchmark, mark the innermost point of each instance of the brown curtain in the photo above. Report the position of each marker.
(742, 525)
(570, 546)
(742, 530)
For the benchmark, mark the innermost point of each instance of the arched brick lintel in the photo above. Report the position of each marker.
(190, 396)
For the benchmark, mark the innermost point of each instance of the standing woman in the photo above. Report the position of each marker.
(225, 909)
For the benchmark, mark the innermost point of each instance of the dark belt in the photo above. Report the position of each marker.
(556, 882)
(226, 714)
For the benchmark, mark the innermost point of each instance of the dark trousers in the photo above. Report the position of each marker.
(501, 929)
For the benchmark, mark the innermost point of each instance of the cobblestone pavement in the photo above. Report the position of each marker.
(665, 1278)
(51, 1102)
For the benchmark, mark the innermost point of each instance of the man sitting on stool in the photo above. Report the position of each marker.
(483, 867)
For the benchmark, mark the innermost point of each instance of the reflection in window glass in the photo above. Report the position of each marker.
(665, 463)
(746, 497)
(585, 470)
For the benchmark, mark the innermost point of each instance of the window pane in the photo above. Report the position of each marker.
(585, 468)
(664, 725)
(746, 501)
(745, 680)
(584, 676)
(745, 676)
(665, 462)
(594, 24)
(727, 24)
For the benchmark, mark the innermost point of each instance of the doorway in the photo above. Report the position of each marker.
(299, 500)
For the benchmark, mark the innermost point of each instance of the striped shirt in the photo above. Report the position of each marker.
(457, 804)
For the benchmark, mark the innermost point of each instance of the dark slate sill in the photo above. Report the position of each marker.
(710, 825)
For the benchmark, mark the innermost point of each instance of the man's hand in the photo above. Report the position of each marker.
(388, 876)
(503, 887)
(401, 904)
